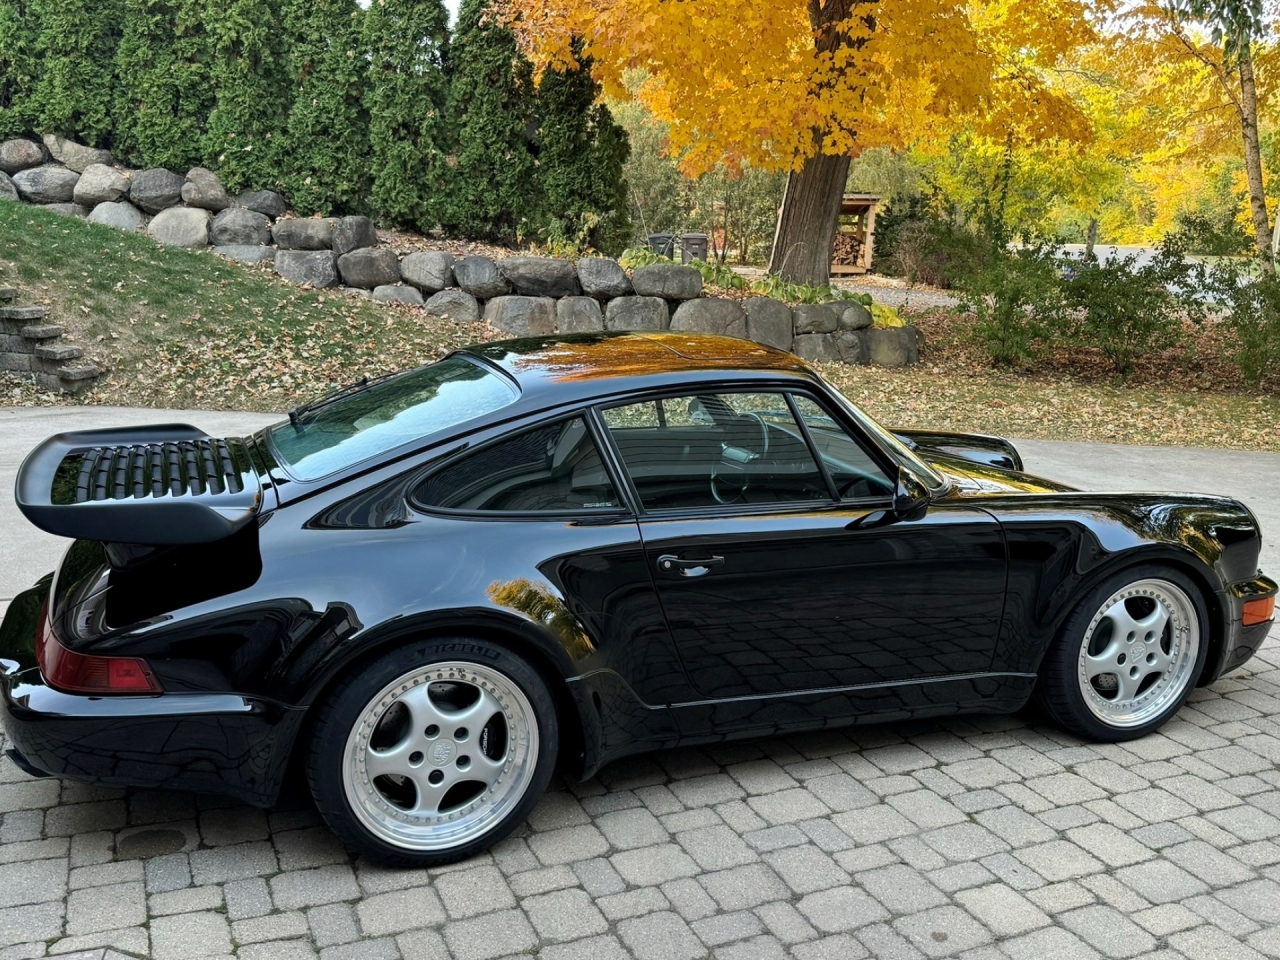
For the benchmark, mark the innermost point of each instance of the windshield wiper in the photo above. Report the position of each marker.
(297, 414)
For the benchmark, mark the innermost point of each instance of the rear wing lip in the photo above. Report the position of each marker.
(162, 520)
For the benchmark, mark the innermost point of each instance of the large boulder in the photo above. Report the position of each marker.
(844, 346)
(181, 227)
(602, 278)
(318, 268)
(429, 270)
(711, 315)
(855, 317)
(203, 189)
(122, 215)
(47, 184)
(814, 318)
(266, 202)
(18, 155)
(540, 276)
(769, 322)
(354, 233)
(155, 190)
(100, 184)
(369, 267)
(67, 209)
(637, 313)
(7, 190)
(894, 346)
(522, 316)
(397, 293)
(251, 253)
(74, 156)
(303, 234)
(669, 281)
(456, 304)
(479, 277)
(579, 315)
(238, 226)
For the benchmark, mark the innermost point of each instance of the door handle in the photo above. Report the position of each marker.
(688, 568)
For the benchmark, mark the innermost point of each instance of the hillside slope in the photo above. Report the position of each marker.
(181, 329)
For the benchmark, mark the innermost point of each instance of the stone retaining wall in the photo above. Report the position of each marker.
(520, 295)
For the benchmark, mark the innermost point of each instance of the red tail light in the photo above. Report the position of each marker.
(73, 672)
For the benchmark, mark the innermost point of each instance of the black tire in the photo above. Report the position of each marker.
(349, 703)
(1059, 690)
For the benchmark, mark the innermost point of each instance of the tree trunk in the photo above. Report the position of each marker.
(810, 210)
(1253, 158)
(807, 222)
(1090, 237)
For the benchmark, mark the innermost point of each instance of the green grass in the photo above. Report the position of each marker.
(179, 328)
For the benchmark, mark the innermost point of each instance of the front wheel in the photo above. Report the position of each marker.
(434, 752)
(1128, 655)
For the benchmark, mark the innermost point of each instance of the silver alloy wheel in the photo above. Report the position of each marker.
(440, 756)
(1138, 653)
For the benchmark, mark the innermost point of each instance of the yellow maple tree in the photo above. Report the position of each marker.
(802, 85)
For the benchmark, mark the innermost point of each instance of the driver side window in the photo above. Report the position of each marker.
(715, 449)
(853, 471)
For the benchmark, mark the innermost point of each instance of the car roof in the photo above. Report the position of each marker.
(605, 363)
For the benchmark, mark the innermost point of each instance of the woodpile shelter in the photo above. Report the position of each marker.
(855, 234)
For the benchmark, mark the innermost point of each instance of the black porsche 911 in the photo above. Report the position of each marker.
(426, 593)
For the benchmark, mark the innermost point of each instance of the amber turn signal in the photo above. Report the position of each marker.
(1259, 611)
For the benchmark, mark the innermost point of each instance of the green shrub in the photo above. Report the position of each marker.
(19, 66)
(581, 152)
(936, 252)
(1017, 301)
(408, 44)
(492, 111)
(77, 47)
(1250, 303)
(1128, 307)
(324, 160)
(163, 96)
(247, 76)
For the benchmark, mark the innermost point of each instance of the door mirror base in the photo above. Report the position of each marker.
(910, 496)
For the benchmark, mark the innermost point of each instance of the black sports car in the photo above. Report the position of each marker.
(425, 593)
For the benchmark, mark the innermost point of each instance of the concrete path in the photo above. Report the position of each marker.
(981, 838)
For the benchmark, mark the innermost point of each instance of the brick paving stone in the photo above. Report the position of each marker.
(189, 936)
(468, 892)
(625, 829)
(402, 910)
(106, 908)
(568, 845)
(1108, 931)
(716, 848)
(564, 915)
(943, 931)
(840, 909)
(1004, 911)
(32, 882)
(744, 887)
(806, 869)
(489, 936)
(633, 903)
(307, 888)
(661, 936)
(900, 889)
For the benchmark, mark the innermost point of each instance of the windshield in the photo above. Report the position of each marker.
(931, 478)
(387, 414)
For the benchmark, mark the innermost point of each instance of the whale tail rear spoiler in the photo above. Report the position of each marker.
(159, 485)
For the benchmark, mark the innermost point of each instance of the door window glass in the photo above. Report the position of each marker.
(855, 474)
(715, 449)
(549, 469)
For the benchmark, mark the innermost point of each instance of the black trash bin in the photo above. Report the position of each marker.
(663, 244)
(693, 246)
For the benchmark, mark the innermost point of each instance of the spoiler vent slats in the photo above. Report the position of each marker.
(138, 471)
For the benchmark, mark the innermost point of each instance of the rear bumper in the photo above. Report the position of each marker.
(212, 743)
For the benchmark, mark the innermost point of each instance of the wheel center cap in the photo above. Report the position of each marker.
(442, 752)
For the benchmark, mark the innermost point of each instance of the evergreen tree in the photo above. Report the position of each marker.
(77, 47)
(581, 154)
(491, 107)
(247, 78)
(408, 44)
(164, 97)
(324, 160)
(19, 67)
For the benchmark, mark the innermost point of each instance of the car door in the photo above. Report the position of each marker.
(779, 566)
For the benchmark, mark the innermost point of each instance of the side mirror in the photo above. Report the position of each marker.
(910, 497)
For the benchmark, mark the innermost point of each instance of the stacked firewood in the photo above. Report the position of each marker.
(848, 248)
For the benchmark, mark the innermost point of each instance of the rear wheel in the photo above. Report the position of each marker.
(1128, 655)
(433, 752)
